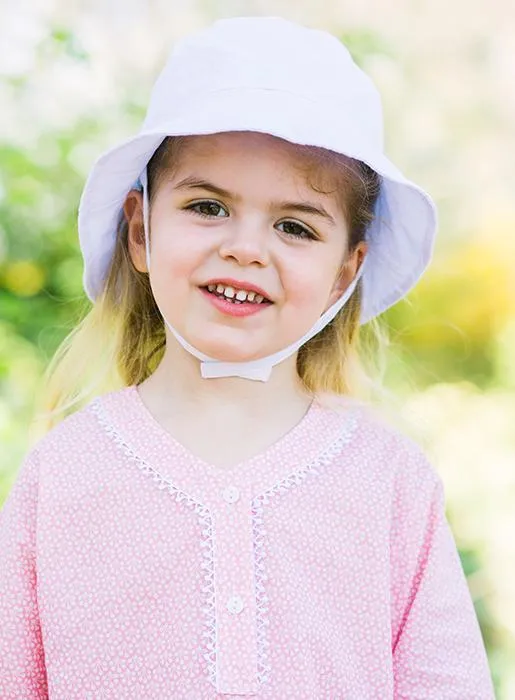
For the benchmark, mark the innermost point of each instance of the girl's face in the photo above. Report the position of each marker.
(245, 255)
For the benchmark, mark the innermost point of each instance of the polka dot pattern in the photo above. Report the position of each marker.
(323, 567)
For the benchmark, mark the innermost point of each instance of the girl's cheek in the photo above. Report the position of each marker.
(176, 248)
(310, 285)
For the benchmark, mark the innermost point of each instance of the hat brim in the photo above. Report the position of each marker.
(401, 238)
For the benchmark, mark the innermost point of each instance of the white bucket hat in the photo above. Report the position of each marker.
(268, 75)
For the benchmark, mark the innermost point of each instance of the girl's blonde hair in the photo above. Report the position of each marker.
(120, 340)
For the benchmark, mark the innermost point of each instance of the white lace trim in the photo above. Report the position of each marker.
(207, 540)
(206, 544)
(259, 537)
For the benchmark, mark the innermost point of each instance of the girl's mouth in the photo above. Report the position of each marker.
(233, 301)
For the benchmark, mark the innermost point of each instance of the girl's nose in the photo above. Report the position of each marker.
(246, 243)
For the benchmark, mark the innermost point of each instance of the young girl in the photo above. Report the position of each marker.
(231, 519)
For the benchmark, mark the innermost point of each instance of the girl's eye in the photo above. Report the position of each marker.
(208, 208)
(296, 230)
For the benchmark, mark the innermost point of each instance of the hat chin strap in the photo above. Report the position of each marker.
(261, 369)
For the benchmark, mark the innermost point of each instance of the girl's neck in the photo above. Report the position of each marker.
(177, 382)
(237, 418)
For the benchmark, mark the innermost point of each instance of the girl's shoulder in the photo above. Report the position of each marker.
(383, 440)
(80, 429)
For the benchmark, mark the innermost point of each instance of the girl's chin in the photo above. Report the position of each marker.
(224, 354)
(242, 347)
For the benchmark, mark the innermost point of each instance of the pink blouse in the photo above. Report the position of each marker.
(322, 568)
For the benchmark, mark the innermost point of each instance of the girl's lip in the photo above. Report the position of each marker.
(231, 308)
(239, 284)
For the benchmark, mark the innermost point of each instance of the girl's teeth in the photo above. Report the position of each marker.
(239, 296)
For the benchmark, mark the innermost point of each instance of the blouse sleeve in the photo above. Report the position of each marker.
(437, 647)
(22, 663)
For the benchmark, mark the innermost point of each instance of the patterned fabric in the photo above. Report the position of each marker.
(322, 568)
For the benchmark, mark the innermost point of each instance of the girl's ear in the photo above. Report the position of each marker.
(347, 272)
(133, 210)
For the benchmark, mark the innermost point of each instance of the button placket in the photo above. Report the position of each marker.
(235, 597)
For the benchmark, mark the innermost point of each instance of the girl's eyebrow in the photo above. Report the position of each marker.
(193, 182)
(307, 208)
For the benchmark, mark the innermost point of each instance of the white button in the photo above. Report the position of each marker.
(231, 494)
(235, 604)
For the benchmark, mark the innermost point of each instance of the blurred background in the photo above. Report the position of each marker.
(75, 79)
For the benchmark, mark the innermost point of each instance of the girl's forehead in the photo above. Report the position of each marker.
(229, 155)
